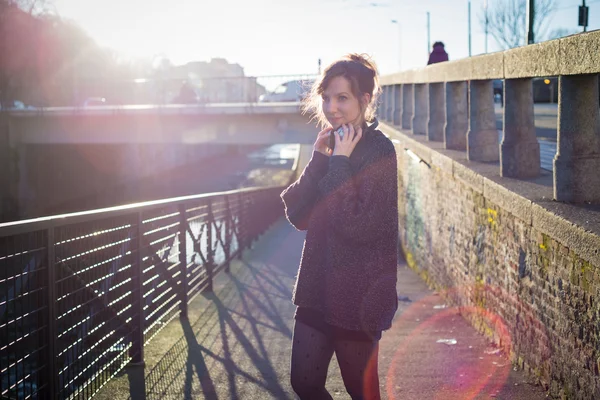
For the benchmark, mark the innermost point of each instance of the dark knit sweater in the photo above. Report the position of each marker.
(349, 207)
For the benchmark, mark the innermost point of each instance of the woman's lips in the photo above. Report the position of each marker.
(335, 121)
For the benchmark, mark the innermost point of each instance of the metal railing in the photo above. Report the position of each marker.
(167, 90)
(81, 294)
(452, 102)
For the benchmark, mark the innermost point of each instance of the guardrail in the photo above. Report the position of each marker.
(452, 102)
(81, 294)
(91, 93)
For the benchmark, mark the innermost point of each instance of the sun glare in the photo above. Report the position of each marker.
(265, 37)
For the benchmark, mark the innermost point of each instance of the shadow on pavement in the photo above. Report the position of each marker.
(174, 373)
(233, 349)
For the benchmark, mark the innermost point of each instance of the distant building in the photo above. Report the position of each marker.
(216, 81)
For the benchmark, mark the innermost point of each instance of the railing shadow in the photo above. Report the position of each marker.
(196, 361)
(259, 357)
(232, 345)
(192, 364)
(267, 306)
(173, 374)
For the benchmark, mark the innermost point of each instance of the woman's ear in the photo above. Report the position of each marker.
(366, 99)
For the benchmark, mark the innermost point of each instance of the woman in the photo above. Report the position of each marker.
(347, 201)
(438, 54)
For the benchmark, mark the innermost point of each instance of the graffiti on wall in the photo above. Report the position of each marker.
(415, 225)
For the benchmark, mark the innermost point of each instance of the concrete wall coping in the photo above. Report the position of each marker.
(572, 55)
(575, 226)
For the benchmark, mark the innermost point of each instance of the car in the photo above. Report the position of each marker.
(15, 105)
(94, 101)
(498, 85)
(294, 90)
(188, 94)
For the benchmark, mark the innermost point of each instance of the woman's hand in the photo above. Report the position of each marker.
(322, 143)
(346, 144)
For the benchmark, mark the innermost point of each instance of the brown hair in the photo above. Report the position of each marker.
(362, 74)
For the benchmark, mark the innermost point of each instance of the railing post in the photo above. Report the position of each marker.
(137, 341)
(390, 103)
(183, 307)
(240, 219)
(210, 256)
(482, 137)
(254, 221)
(397, 114)
(577, 162)
(437, 112)
(407, 105)
(519, 150)
(457, 124)
(228, 235)
(52, 337)
(421, 109)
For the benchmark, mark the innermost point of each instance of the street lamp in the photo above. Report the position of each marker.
(469, 24)
(428, 32)
(395, 21)
(530, 21)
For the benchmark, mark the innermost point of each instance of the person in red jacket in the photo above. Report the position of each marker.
(438, 54)
(347, 202)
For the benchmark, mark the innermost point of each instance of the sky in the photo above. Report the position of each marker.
(280, 37)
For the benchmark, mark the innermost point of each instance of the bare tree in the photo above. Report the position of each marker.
(16, 33)
(49, 60)
(506, 21)
(31, 7)
(561, 32)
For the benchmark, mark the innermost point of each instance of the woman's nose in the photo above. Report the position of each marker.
(330, 107)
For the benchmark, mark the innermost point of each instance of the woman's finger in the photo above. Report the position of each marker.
(350, 132)
(346, 130)
(323, 135)
(338, 138)
(324, 132)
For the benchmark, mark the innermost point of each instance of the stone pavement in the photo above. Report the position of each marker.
(235, 343)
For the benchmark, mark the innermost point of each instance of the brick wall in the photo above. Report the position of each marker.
(522, 269)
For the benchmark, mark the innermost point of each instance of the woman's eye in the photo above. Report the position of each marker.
(343, 98)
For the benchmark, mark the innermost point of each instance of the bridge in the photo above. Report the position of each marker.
(196, 288)
(69, 154)
(191, 124)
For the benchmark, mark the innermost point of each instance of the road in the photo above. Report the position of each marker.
(545, 120)
(545, 129)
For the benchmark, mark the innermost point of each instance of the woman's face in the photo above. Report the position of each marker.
(340, 105)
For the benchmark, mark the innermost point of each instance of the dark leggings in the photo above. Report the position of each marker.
(311, 354)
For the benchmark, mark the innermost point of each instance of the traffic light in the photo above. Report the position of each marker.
(583, 15)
